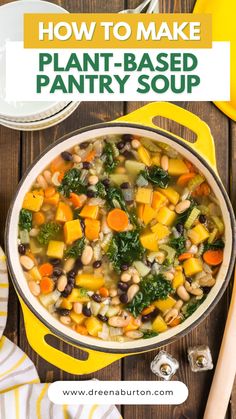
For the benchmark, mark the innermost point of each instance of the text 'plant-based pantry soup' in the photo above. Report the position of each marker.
(120, 238)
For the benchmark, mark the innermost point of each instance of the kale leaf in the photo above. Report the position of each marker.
(192, 306)
(115, 198)
(72, 182)
(154, 287)
(100, 190)
(124, 249)
(110, 161)
(76, 250)
(218, 244)
(25, 220)
(147, 334)
(48, 232)
(157, 176)
(178, 243)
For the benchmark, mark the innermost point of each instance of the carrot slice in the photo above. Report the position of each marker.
(185, 256)
(75, 199)
(104, 292)
(213, 257)
(46, 285)
(148, 310)
(117, 220)
(49, 192)
(39, 218)
(175, 322)
(46, 269)
(184, 179)
(190, 166)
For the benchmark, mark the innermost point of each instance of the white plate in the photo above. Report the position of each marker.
(44, 123)
(12, 28)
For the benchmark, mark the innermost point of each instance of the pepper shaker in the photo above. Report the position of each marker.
(200, 358)
(164, 365)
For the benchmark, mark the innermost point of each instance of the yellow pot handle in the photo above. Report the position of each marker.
(204, 145)
(36, 333)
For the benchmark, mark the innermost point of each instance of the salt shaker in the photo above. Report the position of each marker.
(200, 358)
(164, 365)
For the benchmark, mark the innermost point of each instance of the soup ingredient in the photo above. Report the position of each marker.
(152, 288)
(192, 306)
(192, 266)
(115, 198)
(55, 249)
(64, 213)
(39, 218)
(47, 285)
(185, 256)
(48, 231)
(110, 161)
(89, 281)
(217, 244)
(178, 243)
(157, 176)
(147, 334)
(117, 220)
(213, 257)
(184, 179)
(76, 250)
(46, 269)
(191, 216)
(33, 201)
(25, 220)
(92, 229)
(72, 182)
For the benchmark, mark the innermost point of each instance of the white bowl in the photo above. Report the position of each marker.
(12, 29)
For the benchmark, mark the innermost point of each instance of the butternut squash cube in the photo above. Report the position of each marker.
(66, 304)
(77, 318)
(55, 249)
(158, 200)
(177, 167)
(164, 305)
(161, 231)
(159, 325)
(198, 234)
(144, 156)
(149, 241)
(148, 214)
(78, 295)
(64, 213)
(53, 200)
(89, 281)
(156, 160)
(144, 196)
(171, 194)
(90, 211)
(72, 231)
(140, 208)
(178, 280)
(192, 266)
(94, 326)
(32, 201)
(92, 229)
(165, 216)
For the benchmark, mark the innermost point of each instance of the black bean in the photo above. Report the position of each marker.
(97, 264)
(97, 298)
(82, 225)
(78, 265)
(149, 316)
(103, 319)
(128, 154)
(123, 286)
(66, 156)
(84, 145)
(67, 291)
(127, 137)
(180, 228)
(125, 185)
(202, 218)
(189, 279)
(124, 267)
(120, 145)
(63, 311)
(21, 249)
(55, 262)
(86, 311)
(106, 182)
(148, 263)
(90, 193)
(124, 298)
(86, 165)
(57, 272)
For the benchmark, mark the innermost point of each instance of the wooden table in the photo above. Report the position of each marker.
(18, 150)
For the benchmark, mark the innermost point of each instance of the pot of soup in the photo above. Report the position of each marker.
(120, 238)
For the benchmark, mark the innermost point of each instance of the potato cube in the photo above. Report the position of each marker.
(32, 201)
(92, 229)
(77, 318)
(90, 211)
(72, 231)
(64, 213)
(177, 167)
(161, 231)
(165, 216)
(178, 279)
(192, 266)
(171, 194)
(148, 214)
(164, 305)
(89, 281)
(55, 249)
(159, 325)
(198, 234)
(144, 196)
(78, 296)
(149, 241)
(94, 326)
(144, 156)
(158, 200)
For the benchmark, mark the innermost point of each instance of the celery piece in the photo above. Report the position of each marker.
(192, 217)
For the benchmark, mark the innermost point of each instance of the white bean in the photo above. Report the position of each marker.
(171, 315)
(34, 288)
(87, 255)
(134, 334)
(132, 291)
(61, 283)
(125, 277)
(182, 293)
(169, 276)
(165, 163)
(135, 144)
(69, 264)
(194, 290)
(178, 305)
(48, 176)
(33, 232)
(113, 292)
(77, 307)
(118, 321)
(65, 320)
(115, 301)
(26, 262)
(55, 180)
(42, 182)
(136, 279)
(182, 206)
(76, 158)
(193, 249)
(93, 180)
(207, 281)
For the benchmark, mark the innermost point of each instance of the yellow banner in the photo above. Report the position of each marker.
(117, 31)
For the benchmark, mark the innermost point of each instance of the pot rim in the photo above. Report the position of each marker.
(60, 334)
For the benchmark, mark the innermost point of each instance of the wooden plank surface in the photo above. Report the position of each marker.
(210, 331)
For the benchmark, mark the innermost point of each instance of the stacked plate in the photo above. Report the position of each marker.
(27, 116)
